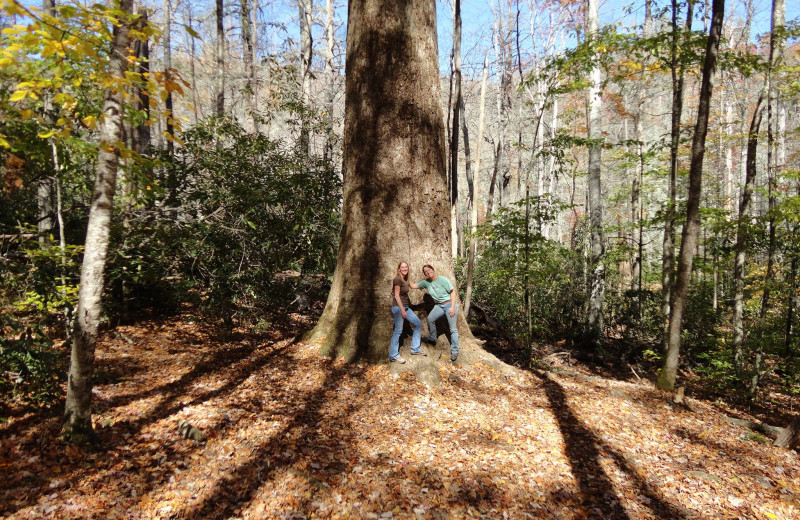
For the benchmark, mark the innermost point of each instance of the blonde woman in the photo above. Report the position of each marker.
(401, 310)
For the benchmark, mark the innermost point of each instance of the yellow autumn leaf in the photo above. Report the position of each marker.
(90, 122)
(4, 143)
(45, 135)
(19, 95)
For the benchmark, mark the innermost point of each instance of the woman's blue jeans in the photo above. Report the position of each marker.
(416, 324)
(439, 310)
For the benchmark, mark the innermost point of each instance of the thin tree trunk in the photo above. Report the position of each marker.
(306, 46)
(742, 234)
(666, 379)
(330, 78)
(192, 57)
(78, 410)
(168, 65)
(249, 62)
(220, 14)
(775, 55)
(595, 196)
(476, 182)
(668, 258)
(467, 167)
(458, 102)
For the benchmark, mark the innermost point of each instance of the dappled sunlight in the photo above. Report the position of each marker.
(292, 434)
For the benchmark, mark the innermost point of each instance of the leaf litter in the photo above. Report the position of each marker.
(293, 435)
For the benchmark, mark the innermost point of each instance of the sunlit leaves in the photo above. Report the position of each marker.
(61, 66)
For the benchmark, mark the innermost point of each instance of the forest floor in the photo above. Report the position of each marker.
(294, 435)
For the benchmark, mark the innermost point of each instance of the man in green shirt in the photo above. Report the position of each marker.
(443, 294)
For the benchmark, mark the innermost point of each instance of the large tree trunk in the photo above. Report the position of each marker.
(78, 410)
(395, 203)
(691, 230)
(595, 196)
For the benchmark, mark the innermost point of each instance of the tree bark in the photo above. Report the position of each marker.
(78, 411)
(666, 379)
(595, 196)
(395, 203)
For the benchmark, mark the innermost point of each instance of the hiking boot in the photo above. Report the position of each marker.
(453, 357)
(420, 353)
(429, 341)
(398, 359)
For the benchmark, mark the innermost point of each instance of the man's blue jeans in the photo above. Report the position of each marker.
(416, 324)
(444, 309)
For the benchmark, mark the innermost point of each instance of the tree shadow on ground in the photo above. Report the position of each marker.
(585, 452)
(233, 364)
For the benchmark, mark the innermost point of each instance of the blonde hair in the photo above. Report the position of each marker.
(405, 278)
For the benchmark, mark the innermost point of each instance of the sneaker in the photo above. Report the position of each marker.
(420, 353)
(453, 358)
(398, 359)
(429, 341)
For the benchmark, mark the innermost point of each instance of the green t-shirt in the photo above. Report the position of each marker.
(439, 289)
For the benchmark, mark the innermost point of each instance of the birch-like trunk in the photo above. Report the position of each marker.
(594, 105)
(78, 409)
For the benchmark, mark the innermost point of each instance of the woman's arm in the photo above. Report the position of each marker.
(399, 303)
(413, 285)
